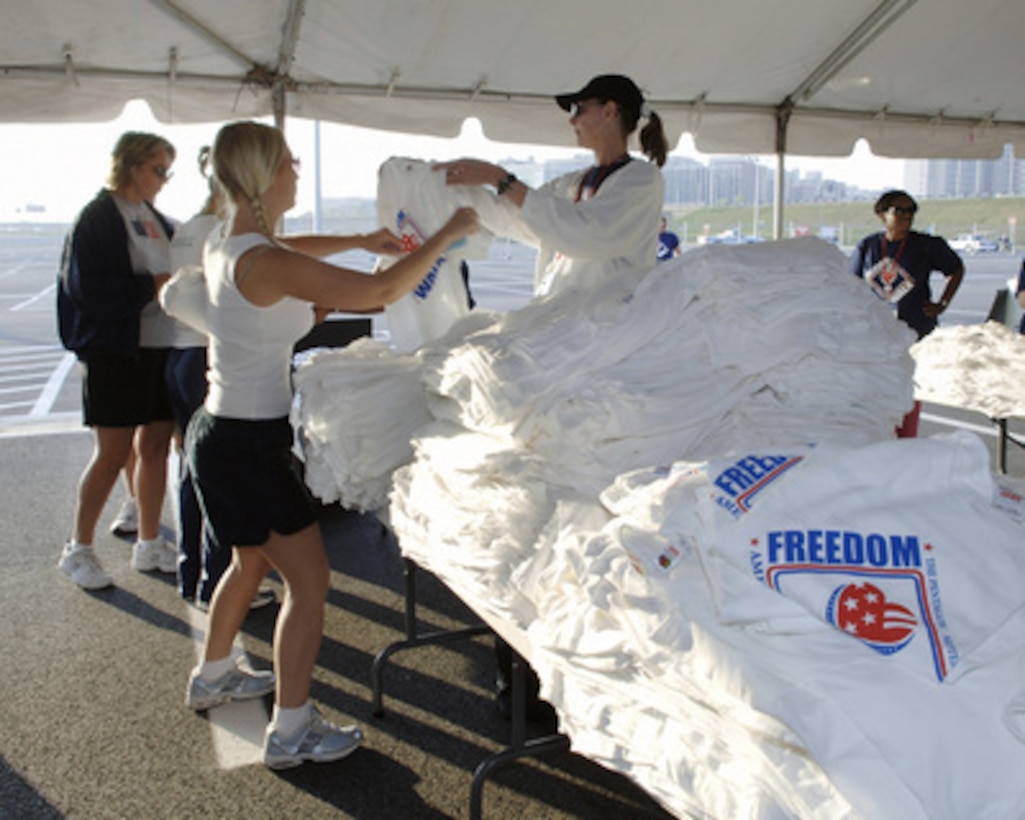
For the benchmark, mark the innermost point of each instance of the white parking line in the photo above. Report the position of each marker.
(53, 385)
(7, 351)
(21, 388)
(38, 354)
(45, 293)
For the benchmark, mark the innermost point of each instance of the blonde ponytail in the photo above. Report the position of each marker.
(246, 157)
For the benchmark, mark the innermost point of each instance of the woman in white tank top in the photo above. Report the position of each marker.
(262, 299)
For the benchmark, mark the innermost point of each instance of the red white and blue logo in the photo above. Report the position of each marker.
(879, 588)
(412, 237)
(863, 610)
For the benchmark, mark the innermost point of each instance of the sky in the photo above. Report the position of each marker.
(61, 166)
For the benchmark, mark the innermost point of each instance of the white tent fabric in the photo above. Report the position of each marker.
(915, 78)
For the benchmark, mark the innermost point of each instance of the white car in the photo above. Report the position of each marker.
(971, 243)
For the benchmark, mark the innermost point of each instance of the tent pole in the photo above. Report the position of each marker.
(782, 120)
(318, 197)
(277, 95)
(777, 204)
(278, 101)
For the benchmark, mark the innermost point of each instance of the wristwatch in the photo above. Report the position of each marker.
(505, 184)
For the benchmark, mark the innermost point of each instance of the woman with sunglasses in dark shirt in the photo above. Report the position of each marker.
(898, 263)
(115, 259)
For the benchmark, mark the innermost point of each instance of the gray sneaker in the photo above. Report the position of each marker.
(149, 557)
(83, 567)
(318, 741)
(238, 684)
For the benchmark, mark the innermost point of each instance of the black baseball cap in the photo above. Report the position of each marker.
(606, 87)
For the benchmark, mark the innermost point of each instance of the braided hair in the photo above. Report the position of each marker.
(246, 157)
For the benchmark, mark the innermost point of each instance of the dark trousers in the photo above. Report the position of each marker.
(200, 560)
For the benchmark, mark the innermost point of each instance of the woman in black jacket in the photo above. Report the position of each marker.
(115, 259)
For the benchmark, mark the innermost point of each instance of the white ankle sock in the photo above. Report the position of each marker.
(78, 545)
(214, 670)
(288, 722)
(151, 542)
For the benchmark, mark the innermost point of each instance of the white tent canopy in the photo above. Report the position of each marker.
(915, 78)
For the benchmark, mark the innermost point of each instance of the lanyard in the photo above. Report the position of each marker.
(900, 250)
(596, 175)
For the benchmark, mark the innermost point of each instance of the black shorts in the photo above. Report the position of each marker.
(247, 478)
(124, 391)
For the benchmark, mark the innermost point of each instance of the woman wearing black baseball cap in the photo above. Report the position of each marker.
(589, 226)
(596, 224)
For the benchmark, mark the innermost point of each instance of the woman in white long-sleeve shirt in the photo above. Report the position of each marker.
(591, 225)
(261, 298)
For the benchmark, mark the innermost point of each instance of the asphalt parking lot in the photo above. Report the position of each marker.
(93, 723)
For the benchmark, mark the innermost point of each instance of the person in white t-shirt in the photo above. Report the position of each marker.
(200, 563)
(262, 297)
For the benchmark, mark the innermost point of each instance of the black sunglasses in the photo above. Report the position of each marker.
(900, 210)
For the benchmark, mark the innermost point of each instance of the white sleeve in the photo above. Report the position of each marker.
(623, 213)
(184, 297)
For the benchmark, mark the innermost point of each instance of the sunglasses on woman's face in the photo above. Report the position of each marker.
(900, 210)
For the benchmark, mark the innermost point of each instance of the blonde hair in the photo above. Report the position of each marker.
(246, 157)
(133, 149)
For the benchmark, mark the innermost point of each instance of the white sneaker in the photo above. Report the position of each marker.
(126, 522)
(82, 566)
(161, 556)
(264, 596)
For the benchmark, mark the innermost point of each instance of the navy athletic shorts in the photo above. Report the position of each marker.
(124, 391)
(247, 478)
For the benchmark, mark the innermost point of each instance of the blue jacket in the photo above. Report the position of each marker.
(99, 295)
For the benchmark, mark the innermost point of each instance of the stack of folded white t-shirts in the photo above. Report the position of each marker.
(811, 611)
(721, 348)
(977, 367)
(581, 387)
(356, 409)
(469, 510)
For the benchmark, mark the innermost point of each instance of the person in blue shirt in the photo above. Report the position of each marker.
(668, 243)
(898, 263)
